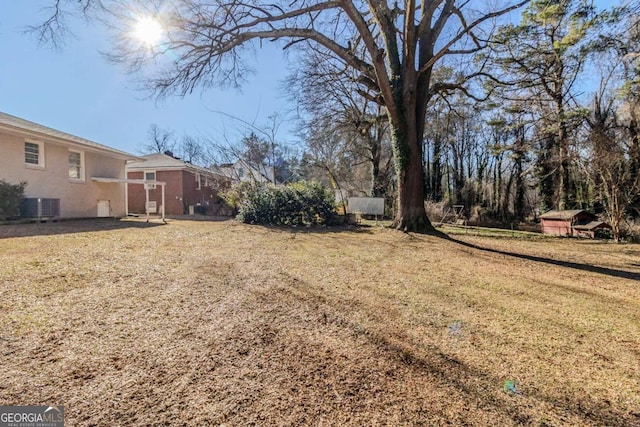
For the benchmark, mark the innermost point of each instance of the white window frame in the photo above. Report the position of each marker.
(155, 178)
(198, 181)
(81, 173)
(40, 163)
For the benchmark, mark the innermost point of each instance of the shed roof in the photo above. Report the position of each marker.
(35, 130)
(590, 226)
(564, 215)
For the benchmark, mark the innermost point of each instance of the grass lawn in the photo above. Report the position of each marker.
(219, 323)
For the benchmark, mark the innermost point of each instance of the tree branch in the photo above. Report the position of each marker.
(466, 30)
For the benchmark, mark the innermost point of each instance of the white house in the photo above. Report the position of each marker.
(69, 176)
(241, 171)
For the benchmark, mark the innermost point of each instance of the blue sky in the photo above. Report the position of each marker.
(76, 91)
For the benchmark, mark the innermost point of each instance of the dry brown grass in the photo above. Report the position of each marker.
(203, 323)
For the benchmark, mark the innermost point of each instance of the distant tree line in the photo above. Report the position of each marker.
(555, 126)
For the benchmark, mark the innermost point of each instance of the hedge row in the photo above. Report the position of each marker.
(301, 203)
(10, 199)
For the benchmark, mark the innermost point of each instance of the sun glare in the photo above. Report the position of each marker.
(148, 31)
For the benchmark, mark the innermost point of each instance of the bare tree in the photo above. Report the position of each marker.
(393, 48)
(158, 140)
(54, 30)
(623, 42)
(250, 150)
(614, 138)
(611, 165)
(192, 150)
(328, 151)
(326, 92)
(259, 149)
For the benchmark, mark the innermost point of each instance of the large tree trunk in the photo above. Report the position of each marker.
(411, 215)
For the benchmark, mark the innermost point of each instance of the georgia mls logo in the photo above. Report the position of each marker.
(32, 416)
(53, 408)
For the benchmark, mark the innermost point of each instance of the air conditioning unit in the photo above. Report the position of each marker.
(40, 208)
(152, 207)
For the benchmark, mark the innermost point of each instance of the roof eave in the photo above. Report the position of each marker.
(75, 144)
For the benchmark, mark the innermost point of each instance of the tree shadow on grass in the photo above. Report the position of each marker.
(475, 384)
(317, 229)
(623, 274)
(73, 226)
(197, 217)
(482, 387)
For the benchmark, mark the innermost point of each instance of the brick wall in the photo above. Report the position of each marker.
(173, 193)
(180, 193)
(205, 196)
(135, 194)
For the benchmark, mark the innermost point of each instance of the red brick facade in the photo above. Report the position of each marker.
(180, 192)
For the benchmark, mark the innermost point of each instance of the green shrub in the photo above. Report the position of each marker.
(11, 196)
(234, 196)
(301, 203)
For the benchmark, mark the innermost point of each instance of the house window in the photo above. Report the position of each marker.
(34, 154)
(76, 165)
(198, 182)
(150, 176)
(240, 172)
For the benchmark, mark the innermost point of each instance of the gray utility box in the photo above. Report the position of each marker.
(40, 208)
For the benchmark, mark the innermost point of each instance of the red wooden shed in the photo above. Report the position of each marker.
(577, 223)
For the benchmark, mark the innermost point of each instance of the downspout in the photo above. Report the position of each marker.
(126, 189)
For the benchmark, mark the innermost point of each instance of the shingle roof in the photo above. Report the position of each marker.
(568, 214)
(8, 121)
(160, 161)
